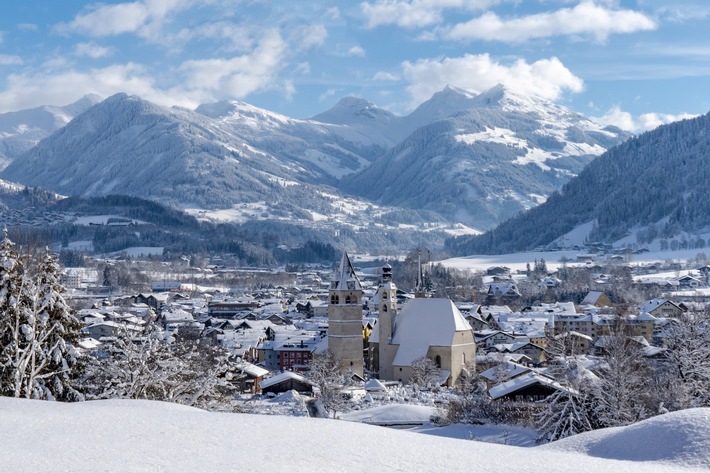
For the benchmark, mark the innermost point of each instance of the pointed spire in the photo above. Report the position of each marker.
(345, 277)
(419, 289)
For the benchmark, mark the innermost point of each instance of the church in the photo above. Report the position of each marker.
(426, 327)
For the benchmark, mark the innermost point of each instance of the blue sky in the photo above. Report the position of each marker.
(633, 63)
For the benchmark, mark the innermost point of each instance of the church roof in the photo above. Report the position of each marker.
(345, 277)
(423, 323)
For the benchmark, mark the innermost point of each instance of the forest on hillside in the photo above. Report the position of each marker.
(656, 181)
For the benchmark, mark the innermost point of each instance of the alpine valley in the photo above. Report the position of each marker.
(356, 174)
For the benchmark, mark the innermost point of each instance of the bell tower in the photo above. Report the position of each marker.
(387, 309)
(345, 340)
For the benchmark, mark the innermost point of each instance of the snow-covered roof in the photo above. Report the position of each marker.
(251, 369)
(523, 381)
(423, 323)
(281, 377)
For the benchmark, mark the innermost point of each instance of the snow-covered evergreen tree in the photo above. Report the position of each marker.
(37, 328)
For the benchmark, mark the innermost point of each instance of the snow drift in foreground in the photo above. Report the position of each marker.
(151, 436)
(681, 437)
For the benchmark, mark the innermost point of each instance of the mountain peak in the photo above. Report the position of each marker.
(351, 110)
(508, 99)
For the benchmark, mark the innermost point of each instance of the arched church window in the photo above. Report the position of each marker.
(384, 295)
(384, 308)
(347, 299)
(437, 360)
(332, 299)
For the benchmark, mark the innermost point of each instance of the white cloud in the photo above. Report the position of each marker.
(415, 13)
(356, 51)
(385, 76)
(60, 88)
(194, 82)
(91, 50)
(27, 27)
(326, 94)
(306, 37)
(547, 78)
(144, 18)
(8, 60)
(241, 75)
(585, 19)
(303, 68)
(644, 122)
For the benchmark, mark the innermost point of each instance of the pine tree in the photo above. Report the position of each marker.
(37, 329)
(58, 333)
(14, 301)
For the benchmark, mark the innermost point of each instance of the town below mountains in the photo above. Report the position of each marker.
(196, 264)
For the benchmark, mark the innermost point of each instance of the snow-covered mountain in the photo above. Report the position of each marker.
(459, 157)
(503, 153)
(126, 145)
(21, 130)
(355, 135)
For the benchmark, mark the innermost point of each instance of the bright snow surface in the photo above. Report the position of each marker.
(130, 436)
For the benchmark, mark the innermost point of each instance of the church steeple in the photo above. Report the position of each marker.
(345, 340)
(345, 278)
(420, 285)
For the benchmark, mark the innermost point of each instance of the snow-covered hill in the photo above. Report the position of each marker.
(21, 130)
(132, 436)
(505, 152)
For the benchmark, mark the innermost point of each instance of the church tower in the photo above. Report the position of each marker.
(387, 310)
(420, 285)
(345, 340)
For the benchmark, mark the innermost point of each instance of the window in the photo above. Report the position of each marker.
(347, 299)
(437, 360)
(384, 308)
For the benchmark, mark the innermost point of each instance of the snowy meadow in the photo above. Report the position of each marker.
(142, 436)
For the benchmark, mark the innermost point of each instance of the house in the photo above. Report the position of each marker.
(597, 299)
(663, 308)
(498, 271)
(535, 353)
(688, 282)
(286, 381)
(503, 372)
(528, 387)
(502, 290)
(250, 377)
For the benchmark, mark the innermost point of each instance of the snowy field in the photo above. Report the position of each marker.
(518, 261)
(146, 436)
